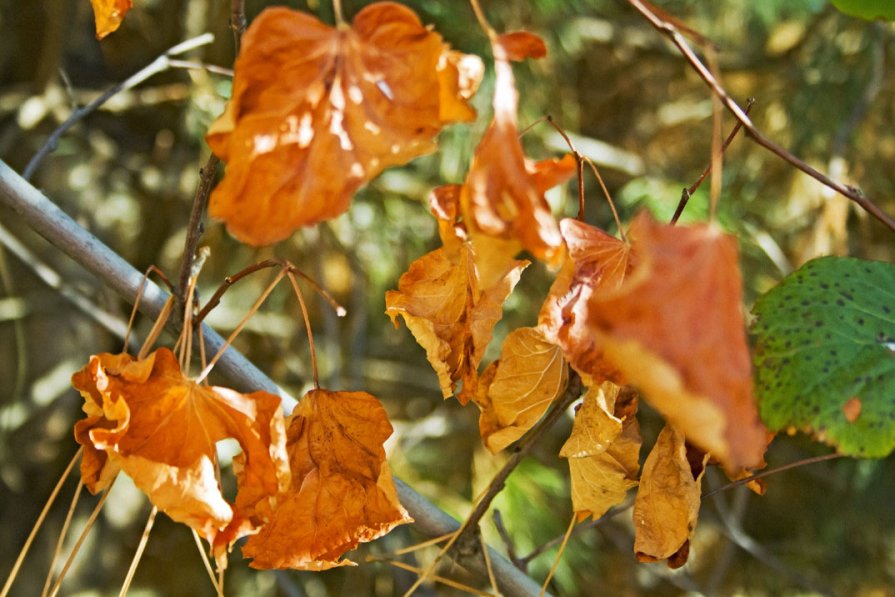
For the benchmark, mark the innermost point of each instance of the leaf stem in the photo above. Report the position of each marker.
(40, 519)
(160, 64)
(688, 192)
(483, 21)
(773, 471)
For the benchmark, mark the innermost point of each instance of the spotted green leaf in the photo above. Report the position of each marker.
(824, 355)
(867, 9)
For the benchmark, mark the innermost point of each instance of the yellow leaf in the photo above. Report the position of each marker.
(603, 450)
(667, 503)
(529, 376)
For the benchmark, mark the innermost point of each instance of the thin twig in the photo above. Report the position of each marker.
(195, 227)
(138, 555)
(77, 546)
(40, 519)
(756, 135)
(772, 471)
(466, 537)
(591, 524)
(62, 534)
(558, 559)
(521, 450)
(688, 192)
(160, 64)
(196, 65)
(229, 281)
(507, 540)
(237, 22)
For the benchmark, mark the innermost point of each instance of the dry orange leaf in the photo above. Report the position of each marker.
(450, 312)
(596, 262)
(146, 418)
(504, 191)
(317, 112)
(452, 297)
(675, 329)
(529, 376)
(603, 450)
(342, 491)
(667, 503)
(108, 15)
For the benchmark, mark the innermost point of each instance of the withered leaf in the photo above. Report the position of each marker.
(317, 112)
(108, 15)
(675, 329)
(146, 418)
(450, 300)
(342, 492)
(504, 191)
(596, 263)
(667, 503)
(529, 376)
(603, 450)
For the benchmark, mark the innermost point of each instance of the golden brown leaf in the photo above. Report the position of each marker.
(450, 300)
(317, 112)
(504, 191)
(596, 263)
(603, 450)
(342, 491)
(145, 418)
(667, 503)
(108, 15)
(529, 376)
(675, 329)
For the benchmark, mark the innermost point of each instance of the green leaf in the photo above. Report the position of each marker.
(824, 356)
(867, 9)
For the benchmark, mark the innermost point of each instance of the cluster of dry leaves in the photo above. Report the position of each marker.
(317, 112)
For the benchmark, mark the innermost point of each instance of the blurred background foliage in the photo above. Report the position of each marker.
(823, 88)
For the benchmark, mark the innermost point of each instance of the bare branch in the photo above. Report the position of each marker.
(160, 64)
(670, 31)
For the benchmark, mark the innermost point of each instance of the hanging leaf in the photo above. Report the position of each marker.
(108, 15)
(451, 298)
(146, 418)
(824, 354)
(675, 329)
(529, 376)
(603, 450)
(504, 192)
(596, 262)
(317, 112)
(342, 491)
(667, 503)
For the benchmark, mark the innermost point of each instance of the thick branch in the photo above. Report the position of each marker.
(56, 226)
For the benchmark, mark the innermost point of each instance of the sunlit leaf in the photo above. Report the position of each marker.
(824, 354)
(529, 376)
(342, 491)
(667, 503)
(504, 191)
(146, 418)
(603, 450)
(451, 298)
(596, 262)
(675, 329)
(317, 112)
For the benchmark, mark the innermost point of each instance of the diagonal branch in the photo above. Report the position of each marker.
(669, 30)
(56, 226)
